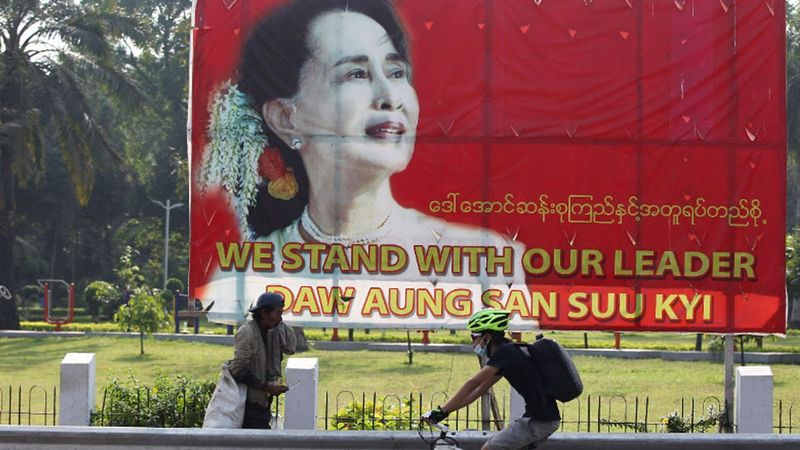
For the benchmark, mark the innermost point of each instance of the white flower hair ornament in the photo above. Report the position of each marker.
(239, 157)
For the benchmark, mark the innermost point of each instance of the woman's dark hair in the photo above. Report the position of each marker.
(272, 60)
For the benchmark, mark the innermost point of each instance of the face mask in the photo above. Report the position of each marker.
(480, 350)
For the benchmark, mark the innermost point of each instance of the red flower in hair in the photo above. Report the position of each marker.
(282, 184)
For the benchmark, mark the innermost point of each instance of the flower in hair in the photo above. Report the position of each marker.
(282, 184)
(236, 141)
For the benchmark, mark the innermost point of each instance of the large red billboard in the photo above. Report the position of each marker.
(586, 164)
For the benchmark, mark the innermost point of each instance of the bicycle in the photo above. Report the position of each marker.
(441, 442)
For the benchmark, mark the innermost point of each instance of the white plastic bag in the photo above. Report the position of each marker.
(226, 408)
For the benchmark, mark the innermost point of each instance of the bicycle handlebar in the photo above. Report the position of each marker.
(441, 427)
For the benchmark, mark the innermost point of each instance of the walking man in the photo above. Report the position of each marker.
(259, 347)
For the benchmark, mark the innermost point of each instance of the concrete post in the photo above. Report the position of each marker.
(753, 403)
(76, 400)
(517, 408)
(302, 376)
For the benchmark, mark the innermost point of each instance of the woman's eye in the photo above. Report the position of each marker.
(358, 74)
(398, 73)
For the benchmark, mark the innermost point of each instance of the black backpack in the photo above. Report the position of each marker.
(558, 373)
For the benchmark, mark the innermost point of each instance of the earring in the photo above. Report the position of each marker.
(297, 143)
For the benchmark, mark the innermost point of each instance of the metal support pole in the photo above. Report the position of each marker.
(167, 208)
(166, 244)
(728, 425)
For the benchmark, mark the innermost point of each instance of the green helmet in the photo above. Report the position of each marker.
(488, 320)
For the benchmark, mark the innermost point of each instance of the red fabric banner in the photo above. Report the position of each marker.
(628, 157)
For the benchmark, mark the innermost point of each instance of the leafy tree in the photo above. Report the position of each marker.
(793, 112)
(129, 274)
(793, 279)
(147, 237)
(52, 53)
(144, 313)
(102, 298)
(145, 310)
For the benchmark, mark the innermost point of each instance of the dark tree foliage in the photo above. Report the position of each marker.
(55, 56)
(793, 113)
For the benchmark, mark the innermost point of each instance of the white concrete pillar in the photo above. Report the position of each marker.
(76, 400)
(753, 402)
(517, 408)
(302, 376)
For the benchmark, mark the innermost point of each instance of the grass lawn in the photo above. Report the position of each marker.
(26, 362)
(571, 339)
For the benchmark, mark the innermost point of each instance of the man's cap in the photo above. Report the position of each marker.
(267, 300)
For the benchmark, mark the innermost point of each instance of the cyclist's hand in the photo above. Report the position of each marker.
(434, 416)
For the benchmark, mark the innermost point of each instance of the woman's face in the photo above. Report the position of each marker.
(356, 105)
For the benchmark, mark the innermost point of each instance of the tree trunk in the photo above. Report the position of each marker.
(9, 319)
(141, 342)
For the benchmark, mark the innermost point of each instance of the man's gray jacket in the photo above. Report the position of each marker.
(261, 353)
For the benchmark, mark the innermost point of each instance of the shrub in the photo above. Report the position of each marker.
(675, 423)
(30, 295)
(174, 285)
(102, 298)
(381, 416)
(177, 402)
(80, 327)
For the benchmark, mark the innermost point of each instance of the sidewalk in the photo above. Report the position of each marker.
(750, 357)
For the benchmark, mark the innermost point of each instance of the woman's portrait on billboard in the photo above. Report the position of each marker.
(320, 115)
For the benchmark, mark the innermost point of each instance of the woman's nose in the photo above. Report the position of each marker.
(386, 95)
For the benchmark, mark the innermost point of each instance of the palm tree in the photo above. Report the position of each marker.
(54, 56)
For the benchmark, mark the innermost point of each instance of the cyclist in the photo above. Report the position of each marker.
(541, 416)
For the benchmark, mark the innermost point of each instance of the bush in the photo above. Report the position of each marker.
(174, 285)
(675, 423)
(31, 295)
(101, 298)
(80, 327)
(179, 402)
(381, 416)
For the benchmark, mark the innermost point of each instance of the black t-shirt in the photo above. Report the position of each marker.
(518, 369)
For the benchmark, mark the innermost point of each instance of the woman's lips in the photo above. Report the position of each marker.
(385, 130)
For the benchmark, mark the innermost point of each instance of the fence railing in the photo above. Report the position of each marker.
(346, 410)
(141, 406)
(590, 414)
(790, 425)
(35, 405)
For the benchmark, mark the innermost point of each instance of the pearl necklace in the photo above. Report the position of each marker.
(318, 235)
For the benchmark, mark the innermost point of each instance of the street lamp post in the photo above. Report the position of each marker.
(167, 209)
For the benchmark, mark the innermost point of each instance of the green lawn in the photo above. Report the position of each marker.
(571, 339)
(27, 362)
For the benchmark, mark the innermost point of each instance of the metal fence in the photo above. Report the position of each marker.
(142, 406)
(146, 406)
(346, 410)
(34, 406)
(591, 414)
(785, 414)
